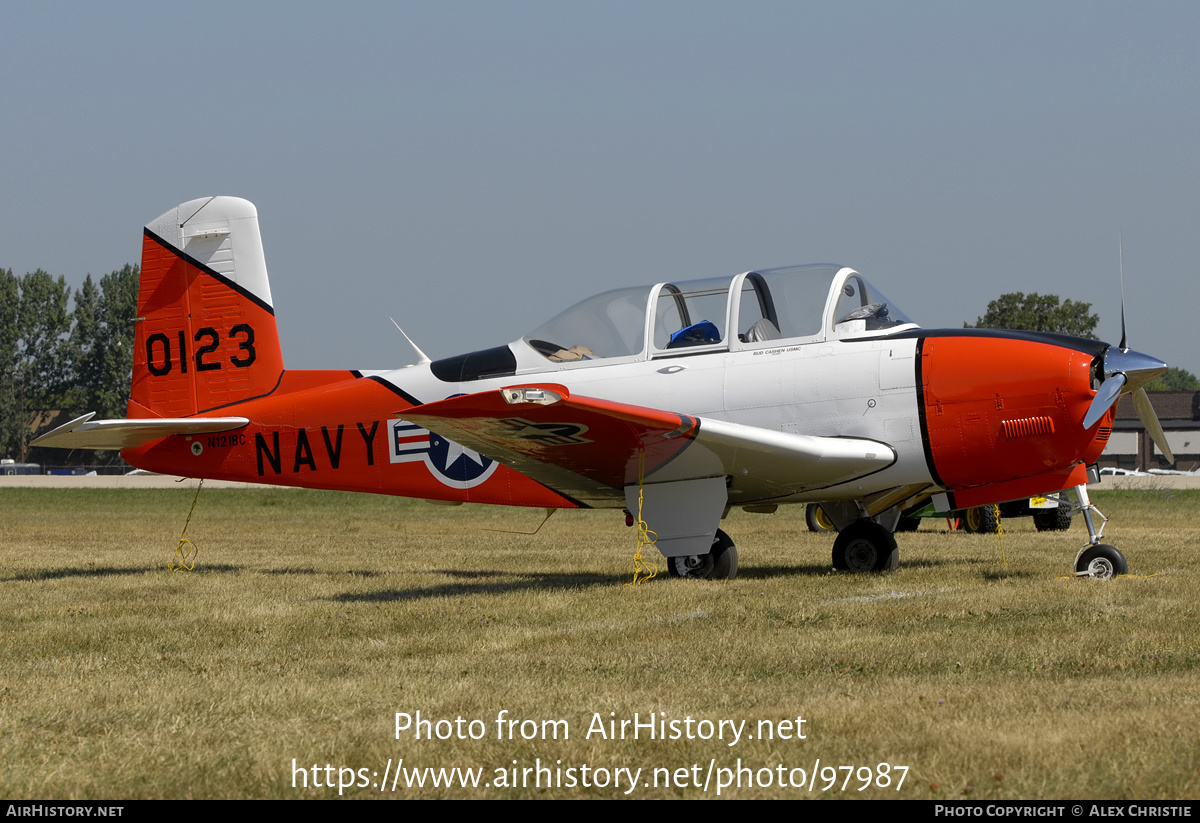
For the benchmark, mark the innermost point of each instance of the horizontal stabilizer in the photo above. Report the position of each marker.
(83, 433)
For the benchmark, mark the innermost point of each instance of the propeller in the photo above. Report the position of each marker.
(1145, 413)
(1126, 372)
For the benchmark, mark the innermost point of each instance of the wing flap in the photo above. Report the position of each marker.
(85, 433)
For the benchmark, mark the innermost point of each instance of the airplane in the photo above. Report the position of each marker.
(677, 401)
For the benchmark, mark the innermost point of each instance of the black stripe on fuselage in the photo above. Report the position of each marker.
(274, 388)
(392, 387)
(926, 446)
(1066, 341)
(559, 492)
(180, 253)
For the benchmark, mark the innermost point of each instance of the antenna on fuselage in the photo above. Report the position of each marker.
(424, 358)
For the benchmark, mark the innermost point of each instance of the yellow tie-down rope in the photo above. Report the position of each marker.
(1000, 534)
(643, 570)
(185, 559)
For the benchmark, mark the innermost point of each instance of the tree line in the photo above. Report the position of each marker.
(59, 353)
(1050, 313)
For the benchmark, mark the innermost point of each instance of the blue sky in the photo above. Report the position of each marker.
(472, 168)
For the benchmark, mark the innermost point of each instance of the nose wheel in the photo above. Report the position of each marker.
(1100, 562)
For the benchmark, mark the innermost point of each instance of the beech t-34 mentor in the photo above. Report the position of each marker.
(787, 385)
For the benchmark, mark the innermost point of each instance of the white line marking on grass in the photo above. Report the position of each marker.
(864, 598)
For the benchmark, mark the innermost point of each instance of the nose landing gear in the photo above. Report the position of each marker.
(1096, 560)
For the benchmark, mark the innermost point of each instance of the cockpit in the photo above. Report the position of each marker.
(758, 309)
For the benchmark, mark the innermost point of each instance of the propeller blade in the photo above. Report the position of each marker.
(1121, 367)
(1106, 395)
(1121, 257)
(1145, 412)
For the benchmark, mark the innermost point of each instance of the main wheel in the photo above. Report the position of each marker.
(816, 518)
(865, 546)
(719, 564)
(1101, 562)
(983, 519)
(1052, 520)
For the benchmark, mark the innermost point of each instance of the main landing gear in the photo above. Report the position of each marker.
(863, 543)
(719, 564)
(865, 546)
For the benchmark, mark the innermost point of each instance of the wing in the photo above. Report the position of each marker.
(591, 449)
(83, 433)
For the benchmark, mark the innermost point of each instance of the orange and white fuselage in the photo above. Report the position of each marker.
(764, 388)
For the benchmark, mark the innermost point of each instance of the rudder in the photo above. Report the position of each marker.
(206, 335)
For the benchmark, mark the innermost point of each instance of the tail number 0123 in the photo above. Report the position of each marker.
(161, 358)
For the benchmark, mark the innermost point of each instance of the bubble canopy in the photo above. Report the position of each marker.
(752, 310)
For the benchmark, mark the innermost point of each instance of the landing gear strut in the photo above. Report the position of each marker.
(1097, 560)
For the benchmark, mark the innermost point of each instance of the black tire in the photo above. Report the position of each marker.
(908, 524)
(865, 546)
(719, 564)
(983, 519)
(1052, 520)
(817, 520)
(1101, 562)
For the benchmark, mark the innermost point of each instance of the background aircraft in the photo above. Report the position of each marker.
(674, 401)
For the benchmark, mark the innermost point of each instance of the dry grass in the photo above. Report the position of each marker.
(312, 618)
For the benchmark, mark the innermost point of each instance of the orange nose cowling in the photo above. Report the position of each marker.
(997, 409)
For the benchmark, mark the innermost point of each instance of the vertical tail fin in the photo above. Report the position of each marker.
(206, 334)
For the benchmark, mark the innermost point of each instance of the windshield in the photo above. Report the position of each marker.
(862, 307)
(612, 324)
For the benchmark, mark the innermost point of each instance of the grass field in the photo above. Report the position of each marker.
(312, 618)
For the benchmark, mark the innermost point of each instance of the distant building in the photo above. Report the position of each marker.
(11, 467)
(1130, 447)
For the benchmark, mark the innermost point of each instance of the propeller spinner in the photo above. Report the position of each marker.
(1128, 372)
